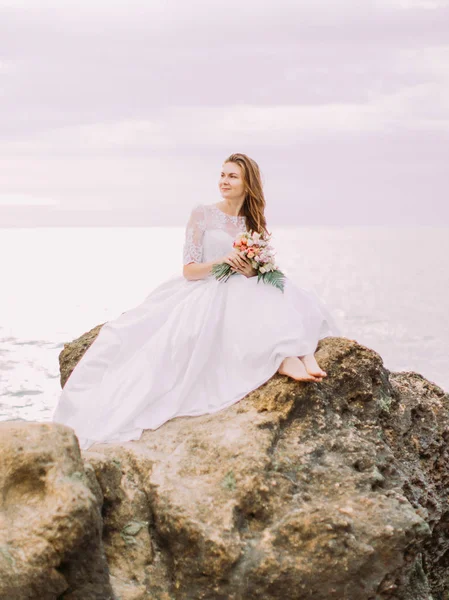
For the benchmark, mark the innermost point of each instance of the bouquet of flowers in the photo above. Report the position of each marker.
(256, 247)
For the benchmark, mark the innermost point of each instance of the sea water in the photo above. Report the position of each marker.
(388, 289)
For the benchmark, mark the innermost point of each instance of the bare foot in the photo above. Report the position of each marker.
(294, 368)
(312, 366)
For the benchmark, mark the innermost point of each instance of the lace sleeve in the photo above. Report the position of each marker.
(193, 244)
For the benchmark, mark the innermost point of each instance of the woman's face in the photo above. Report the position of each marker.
(231, 182)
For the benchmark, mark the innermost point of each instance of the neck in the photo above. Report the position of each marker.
(233, 208)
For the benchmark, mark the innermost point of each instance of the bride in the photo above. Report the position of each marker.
(196, 345)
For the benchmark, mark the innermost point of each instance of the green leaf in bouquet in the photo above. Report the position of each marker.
(276, 278)
(222, 271)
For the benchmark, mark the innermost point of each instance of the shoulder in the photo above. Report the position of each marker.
(203, 208)
(199, 209)
(197, 216)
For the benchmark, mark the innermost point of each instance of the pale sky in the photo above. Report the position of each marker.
(122, 112)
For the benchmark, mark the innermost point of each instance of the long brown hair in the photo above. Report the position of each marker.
(253, 207)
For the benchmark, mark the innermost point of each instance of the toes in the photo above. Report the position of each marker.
(314, 370)
(313, 378)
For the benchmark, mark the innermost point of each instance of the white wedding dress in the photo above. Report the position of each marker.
(191, 347)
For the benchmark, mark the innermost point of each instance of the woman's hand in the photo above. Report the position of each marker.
(240, 263)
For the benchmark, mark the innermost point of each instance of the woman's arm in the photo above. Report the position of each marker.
(235, 259)
(193, 271)
(193, 245)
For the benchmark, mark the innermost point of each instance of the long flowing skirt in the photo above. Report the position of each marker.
(190, 348)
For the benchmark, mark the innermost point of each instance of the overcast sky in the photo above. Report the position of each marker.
(122, 112)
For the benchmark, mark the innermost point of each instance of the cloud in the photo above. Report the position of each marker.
(96, 62)
(111, 103)
(25, 200)
(423, 107)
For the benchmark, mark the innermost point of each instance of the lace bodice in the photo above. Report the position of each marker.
(210, 233)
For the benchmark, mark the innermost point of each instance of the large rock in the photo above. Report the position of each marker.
(301, 490)
(72, 352)
(50, 519)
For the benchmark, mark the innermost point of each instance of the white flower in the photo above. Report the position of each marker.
(262, 269)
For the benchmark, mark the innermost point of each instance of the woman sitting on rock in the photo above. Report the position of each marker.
(197, 345)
